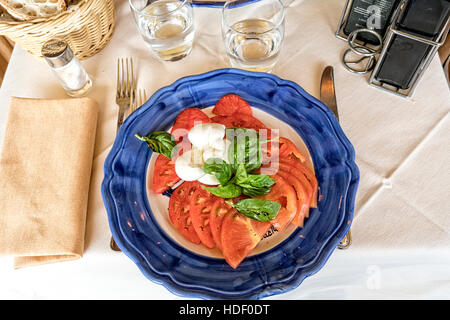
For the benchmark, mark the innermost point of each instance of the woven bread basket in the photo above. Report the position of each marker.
(86, 27)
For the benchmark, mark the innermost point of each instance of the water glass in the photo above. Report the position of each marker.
(253, 32)
(167, 26)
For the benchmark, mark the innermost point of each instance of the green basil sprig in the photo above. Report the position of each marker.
(257, 209)
(245, 148)
(253, 185)
(219, 168)
(227, 191)
(160, 142)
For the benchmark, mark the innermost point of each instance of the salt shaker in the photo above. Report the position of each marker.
(66, 67)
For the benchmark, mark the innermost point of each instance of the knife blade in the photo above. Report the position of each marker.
(327, 90)
(328, 97)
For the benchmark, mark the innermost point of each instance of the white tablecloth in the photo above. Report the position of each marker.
(401, 231)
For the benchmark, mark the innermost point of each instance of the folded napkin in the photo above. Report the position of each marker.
(45, 169)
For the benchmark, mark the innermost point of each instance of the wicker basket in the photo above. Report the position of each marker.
(87, 27)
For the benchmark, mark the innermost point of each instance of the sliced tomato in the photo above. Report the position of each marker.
(200, 211)
(230, 104)
(239, 236)
(303, 173)
(179, 211)
(281, 148)
(186, 119)
(283, 193)
(218, 211)
(164, 175)
(303, 197)
(240, 120)
(288, 148)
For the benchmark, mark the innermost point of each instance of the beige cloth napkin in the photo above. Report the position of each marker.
(45, 169)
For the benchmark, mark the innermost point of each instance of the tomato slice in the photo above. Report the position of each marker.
(230, 104)
(200, 212)
(303, 197)
(164, 175)
(283, 193)
(288, 148)
(280, 149)
(218, 211)
(240, 120)
(302, 172)
(239, 236)
(179, 211)
(186, 119)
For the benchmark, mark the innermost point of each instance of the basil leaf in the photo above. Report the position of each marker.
(245, 149)
(256, 185)
(219, 168)
(228, 191)
(240, 175)
(253, 185)
(160, 142)
(257, 209)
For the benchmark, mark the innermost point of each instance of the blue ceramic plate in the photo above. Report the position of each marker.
(276, 270)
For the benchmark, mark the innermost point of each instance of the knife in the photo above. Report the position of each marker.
(328, 97)
(327, 92)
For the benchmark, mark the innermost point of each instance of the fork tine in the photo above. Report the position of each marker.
(122, 87)
(137, 99)
(118, 82)
(133, 82)
(127, 92)
(119, 78)
(132, 102)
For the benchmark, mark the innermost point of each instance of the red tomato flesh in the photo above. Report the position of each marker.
(240, 120)
(164, 175)
(200, 212)
(179, 211)
(284, 194)
(239, 236)
(185, 120)
(302, 172)
(218, 212)
(230, 104)
(303, 198)
(288, 148)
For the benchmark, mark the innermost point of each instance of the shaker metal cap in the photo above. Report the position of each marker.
(57, 52)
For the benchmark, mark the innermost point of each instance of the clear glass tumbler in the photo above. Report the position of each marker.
(167, 26)
(253, 32)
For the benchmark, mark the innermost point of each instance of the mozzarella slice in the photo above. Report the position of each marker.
(207, 142)
(209, 179)
(217, 149)
(203, 134)
(189, 166)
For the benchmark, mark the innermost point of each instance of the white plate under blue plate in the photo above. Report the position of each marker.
(138, 220)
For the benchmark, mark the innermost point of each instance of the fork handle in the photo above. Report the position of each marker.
(346, 241)
(120, 117)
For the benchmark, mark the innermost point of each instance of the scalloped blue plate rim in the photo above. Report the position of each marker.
(185, 291)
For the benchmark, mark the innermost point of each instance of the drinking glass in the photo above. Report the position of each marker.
(253, 32)
(167, 26)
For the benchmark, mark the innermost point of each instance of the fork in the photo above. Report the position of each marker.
(126, 87)
(135, 102)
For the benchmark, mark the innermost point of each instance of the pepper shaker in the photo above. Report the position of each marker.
(66, 67)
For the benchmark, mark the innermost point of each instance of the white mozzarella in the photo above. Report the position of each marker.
(201, 135)
(215, 150)
(189, 166)
(207, 142)
(209, 179)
